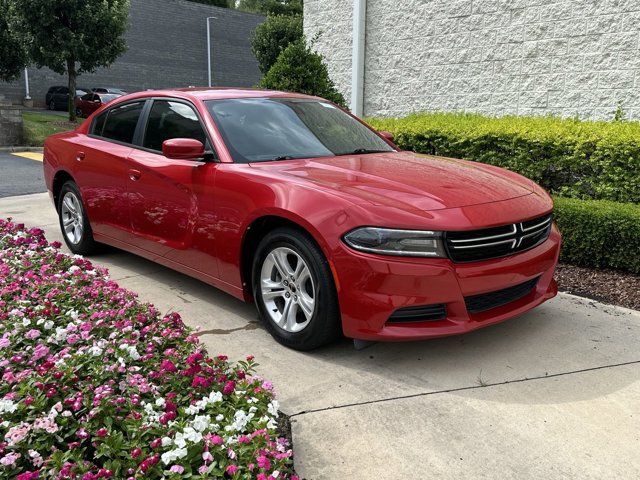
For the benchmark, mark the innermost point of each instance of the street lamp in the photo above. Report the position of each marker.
(209, 48)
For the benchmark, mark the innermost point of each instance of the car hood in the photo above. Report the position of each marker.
(405, 180)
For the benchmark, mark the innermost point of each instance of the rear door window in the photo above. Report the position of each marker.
(121, 122)
(169, 120)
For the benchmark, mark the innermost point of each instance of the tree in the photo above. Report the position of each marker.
(272, 36)
(73, 36)
(13, 52)
(271, 7)
(299, 69)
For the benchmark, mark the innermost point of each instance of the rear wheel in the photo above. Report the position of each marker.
(52, 105)
(294, 290)
(74, 223)
(78, 112)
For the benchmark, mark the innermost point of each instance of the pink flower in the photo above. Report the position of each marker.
(168, 366)
(263, 462)
(177, 469)
(40, 351)
(231, 469)
(18, 433)
(9, 460)
(28, 476)
(229, 387)
(102, 432)
(217, 440)
(32, 334)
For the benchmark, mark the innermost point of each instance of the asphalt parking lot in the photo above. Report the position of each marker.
(20, 175)
(554, 393)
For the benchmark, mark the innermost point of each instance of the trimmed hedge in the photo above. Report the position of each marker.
(598, 233)
(572, 158)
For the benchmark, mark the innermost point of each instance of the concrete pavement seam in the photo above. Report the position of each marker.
(461, 389)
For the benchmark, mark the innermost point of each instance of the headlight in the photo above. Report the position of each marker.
(387, 241)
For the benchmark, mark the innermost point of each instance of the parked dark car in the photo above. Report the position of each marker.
(57, 97)
(118, 91)
(90, 102)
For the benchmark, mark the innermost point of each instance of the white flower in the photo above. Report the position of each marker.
(219, 417)
(74, 269)
(191, 435)
(180, 441)
(215, 397)
(172, 455)
(26, 322)
(61, 334)
(48, 325)
(160, 402)
(272, 408)
(275, 474)
(201, 422)
(7, 406)
(166, 441)
(95, 351)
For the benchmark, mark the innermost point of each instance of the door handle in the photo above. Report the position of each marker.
(80, 156)
(134, 175)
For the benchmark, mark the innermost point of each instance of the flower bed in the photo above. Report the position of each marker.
(96, 384)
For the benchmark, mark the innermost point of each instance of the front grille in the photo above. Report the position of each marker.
(474, 245)
(421, 313)
(487, 301)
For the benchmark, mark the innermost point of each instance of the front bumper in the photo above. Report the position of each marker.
(372, 287)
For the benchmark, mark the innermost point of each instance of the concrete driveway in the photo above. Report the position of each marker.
(552, 394)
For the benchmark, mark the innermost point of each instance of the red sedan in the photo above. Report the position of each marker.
(289, 201)
(90, 102)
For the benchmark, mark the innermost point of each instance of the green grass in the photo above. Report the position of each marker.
(38, 126)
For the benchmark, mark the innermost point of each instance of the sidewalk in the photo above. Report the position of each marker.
(552, 394)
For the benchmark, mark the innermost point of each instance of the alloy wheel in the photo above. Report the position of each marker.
(72, 218)
(288, 290)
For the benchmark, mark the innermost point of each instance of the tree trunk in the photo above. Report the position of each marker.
(71, 72)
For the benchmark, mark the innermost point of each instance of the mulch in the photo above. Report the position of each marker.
(606, 286)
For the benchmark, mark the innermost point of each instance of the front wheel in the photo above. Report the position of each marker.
(78, 112)
(52, 105)
(294, 290)
(74, 223)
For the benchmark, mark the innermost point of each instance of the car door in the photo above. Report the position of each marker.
(171, 200)
(60, 97)
(101, 169)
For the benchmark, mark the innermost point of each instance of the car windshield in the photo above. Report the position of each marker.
(107, 97)
(263, 129)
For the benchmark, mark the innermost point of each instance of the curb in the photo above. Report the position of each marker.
(623, 310)
(21, 149)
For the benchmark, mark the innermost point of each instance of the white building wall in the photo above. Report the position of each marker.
(499, 57)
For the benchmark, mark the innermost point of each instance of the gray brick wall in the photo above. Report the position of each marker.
(525, 57)
(167, 47)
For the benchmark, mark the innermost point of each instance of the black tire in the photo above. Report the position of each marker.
(52, 105)
(78, 113)
(324, 324)
(85, 245)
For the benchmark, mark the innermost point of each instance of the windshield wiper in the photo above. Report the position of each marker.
(359, 151)
(283, 157)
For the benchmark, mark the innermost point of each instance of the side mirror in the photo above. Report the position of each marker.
(183, 148)
(387, 135)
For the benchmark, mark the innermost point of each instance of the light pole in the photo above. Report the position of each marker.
(209, 48)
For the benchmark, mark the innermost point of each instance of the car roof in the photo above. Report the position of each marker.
(217, 93)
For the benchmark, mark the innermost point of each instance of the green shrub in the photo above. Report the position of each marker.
(299, 69)
(272, 36)
(572, 158)
(599, 233)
